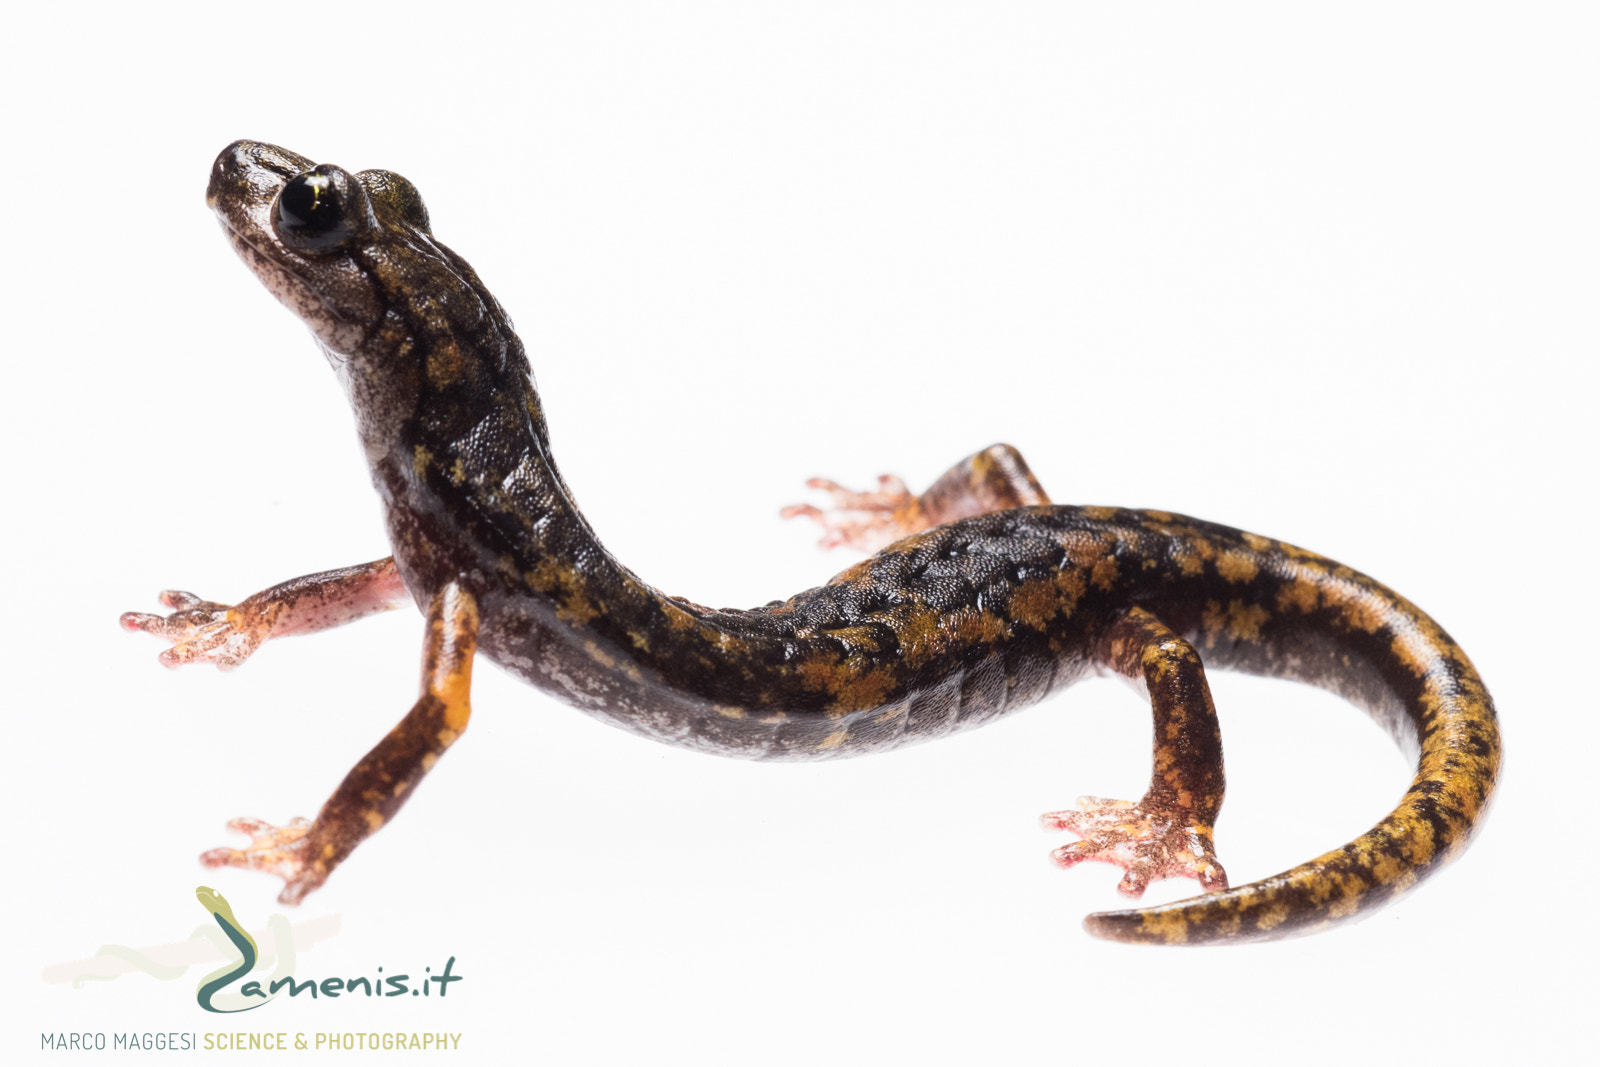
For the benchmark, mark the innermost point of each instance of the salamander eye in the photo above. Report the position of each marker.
(318, 211)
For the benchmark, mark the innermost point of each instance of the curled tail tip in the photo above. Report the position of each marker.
(1116, 926)
(1211, 919)
(1165, 925)
(1337, 888)
(1123, 926)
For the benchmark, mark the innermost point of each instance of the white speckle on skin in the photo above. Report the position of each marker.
(583, 696)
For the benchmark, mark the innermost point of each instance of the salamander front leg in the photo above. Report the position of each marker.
(1168, 833)
(377, 787)
(227, 634)
(996, 479)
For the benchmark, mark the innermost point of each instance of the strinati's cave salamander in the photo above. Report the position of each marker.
(988, 599)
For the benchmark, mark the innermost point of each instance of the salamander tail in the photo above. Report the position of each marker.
(1457, 769)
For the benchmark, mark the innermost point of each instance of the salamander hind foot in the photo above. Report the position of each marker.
(996, 479)
(862, 521)
(1150, 840)
(279, 850)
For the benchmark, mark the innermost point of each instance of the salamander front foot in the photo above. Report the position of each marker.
(277, 850)
(862, 521)
(203, 630)
(1150, 839)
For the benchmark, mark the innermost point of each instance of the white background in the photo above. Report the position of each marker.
(1329, 277)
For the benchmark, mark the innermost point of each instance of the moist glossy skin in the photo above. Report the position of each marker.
(944, 629)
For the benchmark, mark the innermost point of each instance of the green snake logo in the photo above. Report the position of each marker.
(215, 903)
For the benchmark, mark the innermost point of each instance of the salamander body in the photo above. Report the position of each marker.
(987, 599)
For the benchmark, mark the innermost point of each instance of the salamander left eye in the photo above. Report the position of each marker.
(318, 210)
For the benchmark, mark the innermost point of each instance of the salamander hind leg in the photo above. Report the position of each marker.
(996, 479)
(375, 789)
(1167, 833)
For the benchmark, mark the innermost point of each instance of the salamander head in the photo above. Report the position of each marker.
(401, 317)
(309, 232)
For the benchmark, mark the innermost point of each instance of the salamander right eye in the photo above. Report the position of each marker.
(318, 211)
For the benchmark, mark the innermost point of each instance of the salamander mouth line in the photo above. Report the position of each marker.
(292, 290)
(261, 263)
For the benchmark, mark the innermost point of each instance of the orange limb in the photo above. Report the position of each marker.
(380, 784)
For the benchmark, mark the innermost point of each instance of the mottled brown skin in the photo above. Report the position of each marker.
(950, 627)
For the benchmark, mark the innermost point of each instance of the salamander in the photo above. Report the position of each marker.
(984, 598)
